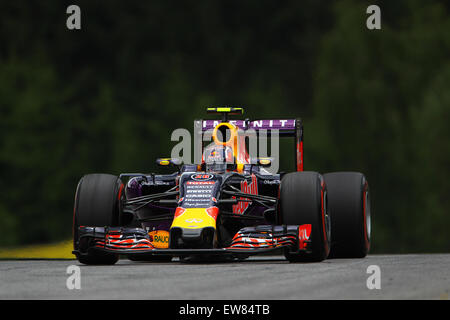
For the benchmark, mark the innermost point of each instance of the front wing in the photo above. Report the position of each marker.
(247, 241)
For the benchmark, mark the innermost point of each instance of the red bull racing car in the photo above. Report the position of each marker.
(228, 205)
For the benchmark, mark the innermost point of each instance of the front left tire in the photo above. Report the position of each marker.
(349, 202)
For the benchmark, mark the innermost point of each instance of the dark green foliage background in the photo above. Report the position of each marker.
(107, 97)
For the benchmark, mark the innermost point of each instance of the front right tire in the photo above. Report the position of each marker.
(303, 200)
(97, 204)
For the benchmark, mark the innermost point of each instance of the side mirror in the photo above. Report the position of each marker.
(165, 162)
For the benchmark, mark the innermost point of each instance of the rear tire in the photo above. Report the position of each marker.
(303, 200)
(97, 204)
(349, 202)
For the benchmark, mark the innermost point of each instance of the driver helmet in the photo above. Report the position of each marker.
(218, 158)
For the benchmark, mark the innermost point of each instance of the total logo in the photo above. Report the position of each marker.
(201, 177)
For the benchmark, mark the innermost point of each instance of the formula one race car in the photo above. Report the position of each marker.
(228, 205)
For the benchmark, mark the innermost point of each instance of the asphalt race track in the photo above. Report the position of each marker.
(415, 276)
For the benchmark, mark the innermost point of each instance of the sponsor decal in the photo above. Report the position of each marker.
(159, 239)
(195, 218)
(200, 183)
(199, 193)
(256, 124)
(275, 181)
(202, 176)
(165, 183)
(251, 188)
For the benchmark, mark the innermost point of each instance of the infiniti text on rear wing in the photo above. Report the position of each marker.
(283, 127)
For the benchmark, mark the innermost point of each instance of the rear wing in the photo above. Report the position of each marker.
(291, 128)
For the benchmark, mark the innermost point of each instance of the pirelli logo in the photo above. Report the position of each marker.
(251, 188)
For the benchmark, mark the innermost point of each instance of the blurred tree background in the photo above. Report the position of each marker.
(107, 97)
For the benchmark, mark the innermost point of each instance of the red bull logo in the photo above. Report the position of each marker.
(251, 188)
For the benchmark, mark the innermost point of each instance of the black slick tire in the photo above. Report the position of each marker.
(303, 200)
(349, 203)
(97, 204)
